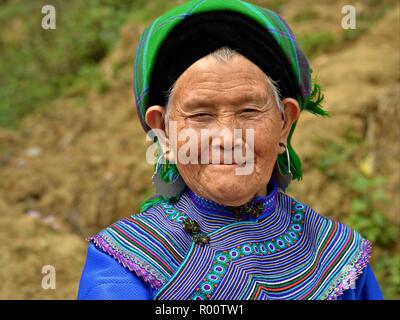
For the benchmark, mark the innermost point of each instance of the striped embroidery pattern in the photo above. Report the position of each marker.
(292, 253)
(149, 243)
(324, 260)
(224, 258)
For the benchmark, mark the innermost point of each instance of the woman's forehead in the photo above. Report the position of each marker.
(218, 79)
(210, 68)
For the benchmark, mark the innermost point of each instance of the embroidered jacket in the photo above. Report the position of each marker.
(288, 252)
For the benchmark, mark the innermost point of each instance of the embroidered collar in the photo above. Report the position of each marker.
(210, 208)
(211, 215)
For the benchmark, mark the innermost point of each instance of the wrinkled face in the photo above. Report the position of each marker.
(216, 96)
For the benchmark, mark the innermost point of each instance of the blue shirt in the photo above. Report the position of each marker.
(104, 278)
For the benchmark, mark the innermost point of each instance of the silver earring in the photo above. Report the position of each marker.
(167, 190)
(288, 160)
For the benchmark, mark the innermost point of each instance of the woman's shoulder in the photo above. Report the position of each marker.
(103, 278)
(142, 225)
(147, 243)
(337, 247)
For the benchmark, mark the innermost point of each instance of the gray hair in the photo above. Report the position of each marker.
(225, 54)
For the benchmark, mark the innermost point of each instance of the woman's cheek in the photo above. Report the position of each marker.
(263, 142)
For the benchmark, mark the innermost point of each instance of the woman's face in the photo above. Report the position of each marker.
(210, 100)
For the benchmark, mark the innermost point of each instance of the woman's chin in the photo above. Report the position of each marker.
(230, 193)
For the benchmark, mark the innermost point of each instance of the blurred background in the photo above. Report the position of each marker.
(72, 153)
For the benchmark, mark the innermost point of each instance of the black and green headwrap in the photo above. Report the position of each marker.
(175, 40)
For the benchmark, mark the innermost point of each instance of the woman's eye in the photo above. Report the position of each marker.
(250, 111)
(200, 115)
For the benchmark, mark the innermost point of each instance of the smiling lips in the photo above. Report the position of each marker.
(228, 164)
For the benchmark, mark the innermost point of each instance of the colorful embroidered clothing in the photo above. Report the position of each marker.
(288, 252)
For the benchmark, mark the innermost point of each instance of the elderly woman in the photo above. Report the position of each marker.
(213, 232)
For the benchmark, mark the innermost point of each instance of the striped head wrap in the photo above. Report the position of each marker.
(149, 53)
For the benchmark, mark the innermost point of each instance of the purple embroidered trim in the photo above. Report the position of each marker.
(353, 272)
(131, 265)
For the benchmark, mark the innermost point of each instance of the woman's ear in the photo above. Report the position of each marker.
(155, 120)
(290, 115)
(155, 117)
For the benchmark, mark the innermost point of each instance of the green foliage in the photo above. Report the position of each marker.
(386, 267)
(365, 213)
(337, 153)
(88, 77)
(307, 14)
(317, 42)
(37, 65)
(367, 217)
(366, 201)
(366, 18)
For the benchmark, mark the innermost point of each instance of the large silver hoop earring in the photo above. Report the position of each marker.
(173, 188)
(288, 160)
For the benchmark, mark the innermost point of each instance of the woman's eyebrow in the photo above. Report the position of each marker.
(244, 98)
(197, 103)
(250, 97)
